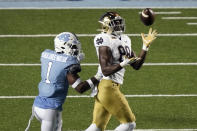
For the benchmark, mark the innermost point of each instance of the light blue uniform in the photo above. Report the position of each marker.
(53, 86)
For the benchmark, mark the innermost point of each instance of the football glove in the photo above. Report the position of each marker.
(99, 74)
(147, 40)
(127, 61)
(94, 91)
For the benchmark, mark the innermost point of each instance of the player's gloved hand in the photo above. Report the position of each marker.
(127, 61)
(99, 74)
(94, 91)
(147, 40)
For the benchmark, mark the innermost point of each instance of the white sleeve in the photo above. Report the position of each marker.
(101, 40)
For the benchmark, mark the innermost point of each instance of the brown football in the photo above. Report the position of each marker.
(147, 16)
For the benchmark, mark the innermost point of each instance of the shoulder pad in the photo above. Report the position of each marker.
(126, 39)
(74, 69)
(102, 40)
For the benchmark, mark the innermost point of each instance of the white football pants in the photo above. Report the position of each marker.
(51, 120)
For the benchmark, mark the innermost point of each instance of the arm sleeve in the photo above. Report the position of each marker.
(74, 69)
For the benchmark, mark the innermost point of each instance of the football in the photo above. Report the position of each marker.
(147, 16)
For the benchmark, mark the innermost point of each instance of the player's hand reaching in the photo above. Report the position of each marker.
(147, 40)
(127, 61)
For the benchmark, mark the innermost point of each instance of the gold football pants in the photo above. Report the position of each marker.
(110, 101)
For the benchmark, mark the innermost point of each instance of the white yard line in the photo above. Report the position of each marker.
(167, 12)
(96, 64)
(168, 64)
(87, 96)
(150, 130)
(185, 34)
(85, 35)
(163, 95)
(179, 18)
(20, 64)
(161, 130)
(35, 35)
(191, 23)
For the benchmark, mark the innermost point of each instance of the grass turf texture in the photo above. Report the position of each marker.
(84, 21)
(151, 113)
(19, 81)
(28, 50)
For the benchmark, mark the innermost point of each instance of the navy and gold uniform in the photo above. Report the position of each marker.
(109, 100)
(114, 51)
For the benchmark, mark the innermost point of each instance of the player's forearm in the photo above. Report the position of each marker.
(137, 65)
(82, 87)
(111, 69)
(86, 85)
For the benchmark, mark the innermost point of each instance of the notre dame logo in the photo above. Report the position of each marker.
(99, 41)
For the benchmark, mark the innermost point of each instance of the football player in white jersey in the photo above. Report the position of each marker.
(59, 69)
(114, 52)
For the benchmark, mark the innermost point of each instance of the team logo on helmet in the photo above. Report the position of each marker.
(112, 23)
(68, 44)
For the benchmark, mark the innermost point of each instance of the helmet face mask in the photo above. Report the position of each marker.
(67, 43)
(112, 23)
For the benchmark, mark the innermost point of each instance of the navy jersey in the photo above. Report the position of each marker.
(53, 86)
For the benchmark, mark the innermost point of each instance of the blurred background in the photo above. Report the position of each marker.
(96, 3)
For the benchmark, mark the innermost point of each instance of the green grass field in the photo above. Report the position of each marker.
(151, 112)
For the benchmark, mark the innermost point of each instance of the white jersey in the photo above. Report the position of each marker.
(120, 46)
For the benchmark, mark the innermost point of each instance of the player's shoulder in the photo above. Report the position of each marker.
(74, 68)
(124, 36)
(126, 39)
(104, 35)
(102, 39)
(59, 57)
(48, 51)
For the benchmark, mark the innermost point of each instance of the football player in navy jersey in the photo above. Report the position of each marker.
(59, 69)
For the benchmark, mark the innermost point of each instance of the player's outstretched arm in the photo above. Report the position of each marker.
(81, 86)
(147, 40)
(75, 81)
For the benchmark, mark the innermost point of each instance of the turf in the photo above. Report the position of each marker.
(151, 113)
(84, 21)
(27, 50)
(148, 80)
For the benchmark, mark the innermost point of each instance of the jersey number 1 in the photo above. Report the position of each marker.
(48, 71)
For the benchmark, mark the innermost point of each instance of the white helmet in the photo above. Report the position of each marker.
(68, 44)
